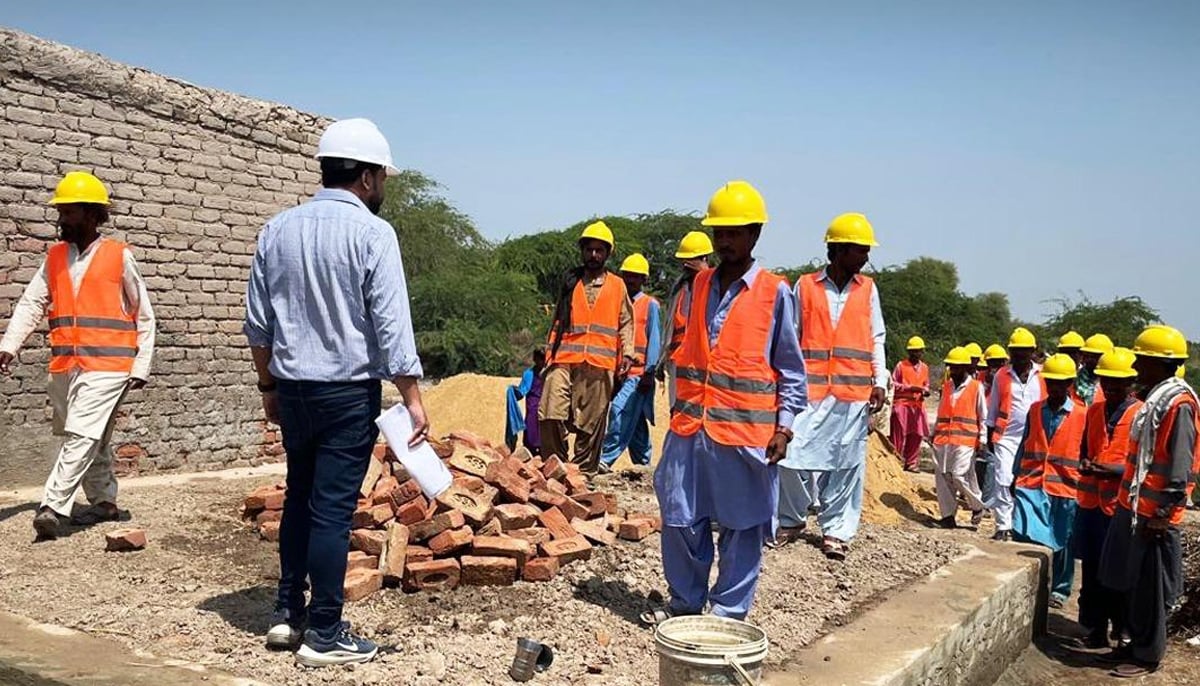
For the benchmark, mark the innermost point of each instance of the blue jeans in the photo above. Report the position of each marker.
(328, 432)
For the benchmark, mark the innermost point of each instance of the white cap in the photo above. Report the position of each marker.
(356, 139)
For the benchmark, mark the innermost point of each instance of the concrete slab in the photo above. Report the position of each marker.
(961, 626)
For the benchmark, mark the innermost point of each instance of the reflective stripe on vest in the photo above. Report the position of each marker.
(89, 328)
(729, 390)
(1152, 496)
(912, 375)
(1002, 384)
(641, 333)
(837, 359)
(1106, 450)
(958, 420)
(1052, 464)
(593, 337)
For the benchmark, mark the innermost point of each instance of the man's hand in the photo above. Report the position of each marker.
(878, 397)
(625, 366)
(420, 422)
(645, 383)
(777, 447)
(135, 384)
(6, 359)
(270, 401)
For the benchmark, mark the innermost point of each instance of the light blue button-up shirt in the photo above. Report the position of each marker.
(327, 294)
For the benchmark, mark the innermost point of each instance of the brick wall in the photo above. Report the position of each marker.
(193, 174)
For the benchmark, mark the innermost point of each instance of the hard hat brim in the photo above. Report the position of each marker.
(730, 221)
(914, 347)
(635, 271)
(1115, 375)
(1013, 346)
(67, 200)
(690, 255)
(869, 244)
(1095, 351)
(1056, 377)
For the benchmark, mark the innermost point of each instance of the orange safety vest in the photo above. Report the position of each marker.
(593, 336)
(1103, 449)
(837, 359)
(911, 375)
(641, 336)
(90, 330)
(729, 389)
(1053, 464)
(1002, 384)
(958, 420)
(1151, 496)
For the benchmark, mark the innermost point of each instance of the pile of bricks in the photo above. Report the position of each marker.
(507, 516)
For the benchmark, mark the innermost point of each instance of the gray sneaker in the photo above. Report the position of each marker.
(344, 649)
(48, 524)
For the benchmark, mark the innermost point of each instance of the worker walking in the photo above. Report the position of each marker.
(959, 434)
(910, 425)
(1048, 473)
(632, 410)
(101, 346)
(328, 320)
(1087, 388)
(995, 358)
(842, 336)
(741, 380)
(591, 346)
(1016, 388)
(1101, 466)
(1142, 557)
(693, 254)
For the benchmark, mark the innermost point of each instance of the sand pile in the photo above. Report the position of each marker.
(890, 494)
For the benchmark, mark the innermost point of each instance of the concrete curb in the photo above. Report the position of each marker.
(961, 626)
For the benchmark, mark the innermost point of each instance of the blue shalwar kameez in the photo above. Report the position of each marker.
(1046, 519)
(699, 481)
(632, 412)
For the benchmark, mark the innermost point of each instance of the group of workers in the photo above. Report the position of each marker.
(1091, 453)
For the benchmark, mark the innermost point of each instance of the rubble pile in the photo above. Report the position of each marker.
(507, 516)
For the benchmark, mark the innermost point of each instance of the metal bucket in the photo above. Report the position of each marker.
(709, 651)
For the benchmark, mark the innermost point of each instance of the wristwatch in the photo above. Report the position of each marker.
(265, 388)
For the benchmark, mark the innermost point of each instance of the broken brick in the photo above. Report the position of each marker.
(434, 575)
(568, 550)
(406, 492)
(274, 500)
(451, 540)
(490, 528)
(369, 541)
(269, 531)
(557, 524)
(635, 529)
(540, 569)
(596, 503)
(595, 531)
(505, 477)
(488, 571)
(553, 468)
(536, 537)
(472, 483)
(516, 516)
(383, 490)
(125, 540)
(522, 454)
(412, 512)
(268, 516)
(360, 583)
(372, 517)
(428, 528)
(357, 559)
(474, 506)
(573, 510)
(502, 546)
(576, 483)
(417, 553)
(546, 498)
(395, 551)
(556, 487)
(443, 449)
(374, 471)
(257, 500)
(379, 452)
(471, 439)
(652, 517)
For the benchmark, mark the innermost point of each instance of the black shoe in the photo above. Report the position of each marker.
(1002, 535)
(48, 524)
(947, 523)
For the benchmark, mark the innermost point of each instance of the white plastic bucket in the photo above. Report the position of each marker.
(709, 651)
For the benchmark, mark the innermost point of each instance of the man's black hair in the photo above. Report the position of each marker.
(337, 172)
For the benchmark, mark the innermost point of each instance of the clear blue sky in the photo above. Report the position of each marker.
(1047, 148)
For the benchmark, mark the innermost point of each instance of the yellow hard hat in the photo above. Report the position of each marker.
(958, 355)
(1022, 338)
(737, 203)
(1059, 367)
(1181, 371)
(973, 349)
(1117, 364)
(1161, 341)
(1070, 339)
(600, 232)
(995, 351)
(79, 187)
(850, 227)
(915, 343)
(636, 264)
(1098, 343)
(694, 244)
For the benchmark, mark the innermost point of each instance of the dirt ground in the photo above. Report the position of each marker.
(202, 591)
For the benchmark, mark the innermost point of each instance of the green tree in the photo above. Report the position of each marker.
(1122, 319)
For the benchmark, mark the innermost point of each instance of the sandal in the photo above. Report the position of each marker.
(1133, 670)
(97, 515)
(786, 535)
(834, 549)
(652, 618)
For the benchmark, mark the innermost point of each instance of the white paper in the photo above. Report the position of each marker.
(421, 462)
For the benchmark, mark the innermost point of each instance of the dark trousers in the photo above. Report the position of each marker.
(1147, 567)
(328, 432)
(1098, 606)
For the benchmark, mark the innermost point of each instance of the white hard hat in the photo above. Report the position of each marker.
(356, 139)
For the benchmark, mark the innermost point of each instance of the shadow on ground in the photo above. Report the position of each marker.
(615, 596)
(905, 509)
(247, 610)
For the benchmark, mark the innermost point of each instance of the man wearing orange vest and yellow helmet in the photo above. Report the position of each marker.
(591, 344)
(632, 410)
(740, 382)
(101, 344)
(1087, 388)
(1047, 480)
(1016, 387)
(842, 336)
(693, 255)
(958, 436)
(1142, 557)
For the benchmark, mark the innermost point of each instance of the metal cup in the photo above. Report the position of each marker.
(531, 657)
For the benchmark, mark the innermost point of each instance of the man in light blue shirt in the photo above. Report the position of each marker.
(328, 319)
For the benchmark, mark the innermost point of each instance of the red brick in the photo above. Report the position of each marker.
(443, 449)
(406, 492)
(451, 540)
(434, 575)
(382, 492)
(274, 500)
(412, 512)
(472, 483)
(426, 529)
(635, 529)
(522, 454)
(395, 551)
(568, 550)
(473, 462)
(553, 468)
(268, 516)
(516, 516)
(652, 517)
(257, 500)
(556, 487)
(372, 517)
(269, 531)
(490, 528)
(505, 477)
(374, 471)
(488, 571)
(357, 559)
(546, 498)
(576, 483)
(536, 537)
(474, 506)
(360, 583)
(540, 569)
(595, 531)
(370, 541)
(557, 524)
(471, 439)
(533, 476)
(614, 523)
(573, 510)
(417, 553)
(612, 504)
(536, 463)
(502, 546)
(596, 503)
(572, 468)
(124, 540)
(400, 472)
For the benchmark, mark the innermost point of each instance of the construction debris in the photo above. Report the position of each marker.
(125, 540)
(506, 517)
